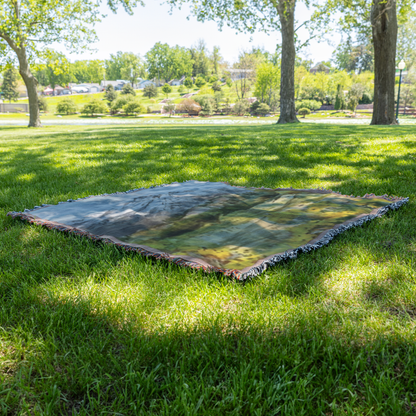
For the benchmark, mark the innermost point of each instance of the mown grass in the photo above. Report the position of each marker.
(87, 329)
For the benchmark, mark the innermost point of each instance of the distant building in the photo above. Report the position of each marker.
(177, 82)
(145, 83)
(237, 74)
(319, 67)
(118, 84)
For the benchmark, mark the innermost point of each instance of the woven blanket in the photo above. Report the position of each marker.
(214, 226)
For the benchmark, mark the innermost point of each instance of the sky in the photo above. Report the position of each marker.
(153, 23)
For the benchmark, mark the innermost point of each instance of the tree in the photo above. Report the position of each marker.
(120, 102)
(304, 112)
(216, 61)
(354, 96)
(125, 65)
(54, 71)
(169, 107)
(189, 106)
(165, 62)
(188, 83)
(27, 27)
(200, 60)
(241, 107)
(216, 86)
(182, 89)
(43, 104)
(249, 15)
(110, 95)
(95, 106)
(150, 91)
(128, 90)
(267, 83)
(200, 82)
(167, 89)
(406, 41)
(66, 106)
(87, 71)
(382, 16)
(9, 87)
(358, 58)
(229, 82)
(133, 107)
(340, 99)
(208, 104)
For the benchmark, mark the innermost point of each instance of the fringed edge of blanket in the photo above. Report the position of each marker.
(236, 274)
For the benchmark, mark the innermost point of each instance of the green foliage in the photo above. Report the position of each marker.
(169, 107)
(133, 107)
(200, 82)
(200, 60)
(125, 65)
(208, 104)
(55, 71)
(354, 96)
(267, 84)
(150, 91)
(188, 83)
(167, 89)
(189, 106)
(87, 71)
(10, 84)
(66, 106)
(128, 90)
(120, 102)
(165, 62)
(304, 112)
(229, 82)
(216, 86)
(241, 107)
(182, 89)
(95, 106)
(313, 105)
(110, 94)
(258, 108)
(213, 79)
(43, 104)
(366, 98)
(340, 99)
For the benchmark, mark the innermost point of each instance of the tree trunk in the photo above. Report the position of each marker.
(286, 10)
(384, 27)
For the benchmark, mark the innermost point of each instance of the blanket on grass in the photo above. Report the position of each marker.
(214, 226)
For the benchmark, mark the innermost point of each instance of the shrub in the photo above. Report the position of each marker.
(263, 109)
(150, 91)
(312, 105)
(119, 103)
(128, 90)
(133, 107)
(189, 106)
(110, 95)
(66, 106)
(188, 83)
(95, 106)
(207, 103)
(43, 104)
(213, 79)
(241, 107)
(167, 89)
(366, 99)
(216, 86)
(181, 89)
(200, 82)
(169, 107)
(340, 99)
(304, 112)
(229, 82)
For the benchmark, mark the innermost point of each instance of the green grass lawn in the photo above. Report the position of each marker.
(87, 329)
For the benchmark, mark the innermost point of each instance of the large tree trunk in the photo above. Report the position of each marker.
(286, 9)
(31, 84)
(384, 27)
